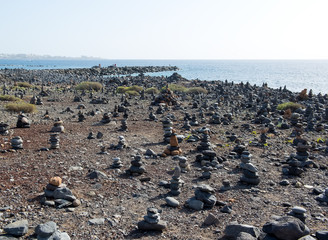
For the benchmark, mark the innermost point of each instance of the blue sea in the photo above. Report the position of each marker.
(294, 74)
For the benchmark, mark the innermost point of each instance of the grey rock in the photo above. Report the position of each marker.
(172, 202)
(210, 220)
(245, 236)
(286, 228)
(97, 221)
(299, 210)
(46, 229)
(64, 193)
(97, 174)
(143, 225)
(321, 235)
(307, 237)
(17, 229)
(7, 237)
(195, 204)
(233, 229)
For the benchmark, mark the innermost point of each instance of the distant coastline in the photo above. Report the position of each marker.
(43, 57)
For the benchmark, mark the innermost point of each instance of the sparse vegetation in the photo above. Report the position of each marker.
(21, 107)
(9, 98)
(134, 88)
(152, 90)
(289, 105)
(23, 85)
(132, 93)
(96, 86)
(197, 90)
(176, 88)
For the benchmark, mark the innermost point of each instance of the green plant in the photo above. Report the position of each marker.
(21, 107)
(175, 88)
(132, 93)
(134, 88)
(89, 86)
(289, 105)
(152, 90)
(196, 90)
(9, 98)
(23, 84)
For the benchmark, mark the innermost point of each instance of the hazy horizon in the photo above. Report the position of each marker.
(172, 30)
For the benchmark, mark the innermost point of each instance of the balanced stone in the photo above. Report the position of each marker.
(4, 129)
(117, 163)
(17, 142)
(152, 221)
(58, 126)
(136, 167)
(176, 182)
(106, 118)
(54, 140)
(22, 121)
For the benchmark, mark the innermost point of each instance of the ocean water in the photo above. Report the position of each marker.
(294, 74)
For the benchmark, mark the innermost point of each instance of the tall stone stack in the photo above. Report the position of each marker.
(4, 129)
(152, 221)
(124, 125)
(81, 117)
(54, 140)
(250, 172)
(167, 126)
(176, 182)
(183, 163)
(17, 142)
(299, 160)
(208, 155)
(22, 121)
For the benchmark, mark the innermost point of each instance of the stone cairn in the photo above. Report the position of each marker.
(183, 163)
(4, 129)
(250, 172)
(121, 144)
(81, 117)
(105, 119)
(167, 126)
(58, 195)
(117, 163)
(124, 125)
(186, 125)
(152, 221)
(193, 121)
(152, 116)
(299, 213)
(22, 121)
(173, 149)
(58, 126)
(54, 140)
(299, 160)
(160, 109)
(17, 142)
(204, 198)
(115, 112)
(323, 197)
(176, 182)
(136, 167)
(49, 230)
(90, 136)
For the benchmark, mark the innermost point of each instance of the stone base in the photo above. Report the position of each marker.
(160, 226)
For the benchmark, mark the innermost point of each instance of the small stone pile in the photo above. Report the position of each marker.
(167, 126)
(194, 121)
(124, 125)
(299, 160)
(160, 109)
(121, 144)
(49, 230)
(323, 197)
(58, 126)
(54, 140)
(136, 167)
(299, 213)
(152, 116)
(250, 172)
(183, 163)
(81, 117)
(4, 129)
(176, 182)
(152, 221)
(173, 149)
(58, 195)
(204, 198)
(17, 142)
(105, 119)
(186, 125)
(115, 112)
(22, 121)
(117, 163)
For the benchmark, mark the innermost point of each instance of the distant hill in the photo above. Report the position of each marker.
(43, 57)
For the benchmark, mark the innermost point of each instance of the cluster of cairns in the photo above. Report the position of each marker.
(204, 198)
(58, 195)
(4, 129)
(36, 100)
(22, 121)
(45, 231)
(136, 167)
(250, 172)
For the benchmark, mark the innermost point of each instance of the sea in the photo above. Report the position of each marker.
(296, 75)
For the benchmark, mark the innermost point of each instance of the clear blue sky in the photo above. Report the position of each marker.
(166, 29)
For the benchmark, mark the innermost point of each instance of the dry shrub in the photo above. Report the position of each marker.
(288, 113)
(9, 98)
(21, 107)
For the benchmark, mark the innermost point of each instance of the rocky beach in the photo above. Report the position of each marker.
(144, 157)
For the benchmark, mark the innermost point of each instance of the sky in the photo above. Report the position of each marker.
(166, 29)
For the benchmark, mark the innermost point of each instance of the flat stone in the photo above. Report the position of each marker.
(17, 229)
(64, 193)
(97, 174)
(97, 221)
(307, 237)
(234, 229)
(211, 220)
(205, 188)
(46, 229)
(160, 226)
(172, 202)
(245, 236)
(299, 210)
(195, 204)
(321, 235)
